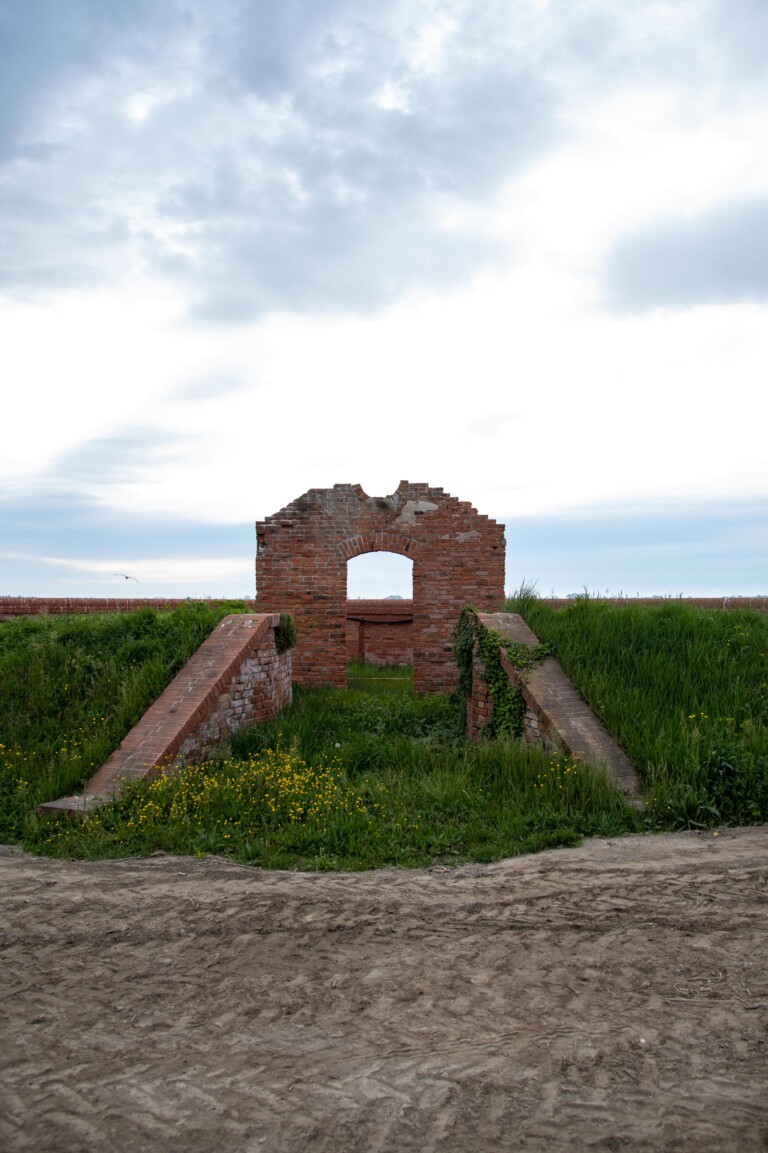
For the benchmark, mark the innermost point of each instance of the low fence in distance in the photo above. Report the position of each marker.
(379, 632)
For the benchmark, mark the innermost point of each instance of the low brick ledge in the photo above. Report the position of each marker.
(13, 607)
(392, 611)
(561, 711)
(158, 735)
(755, 603)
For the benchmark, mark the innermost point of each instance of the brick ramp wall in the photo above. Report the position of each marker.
(555, 713)
(236, 677)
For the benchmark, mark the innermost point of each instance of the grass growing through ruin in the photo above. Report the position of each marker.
(352, 780)
(359, 779)
(71, 688)
(683, 689)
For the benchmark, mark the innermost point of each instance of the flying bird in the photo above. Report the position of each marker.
(128, 578)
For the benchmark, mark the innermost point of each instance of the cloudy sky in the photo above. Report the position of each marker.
(516, 249)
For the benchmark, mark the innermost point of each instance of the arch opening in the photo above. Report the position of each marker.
(380, 622)
(380, 576)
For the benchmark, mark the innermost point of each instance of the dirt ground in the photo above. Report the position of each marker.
(610, 997)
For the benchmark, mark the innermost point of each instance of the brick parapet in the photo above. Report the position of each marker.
(235, 678)
(388, 609)
(12, 607)
(758, 604)
(555, 714)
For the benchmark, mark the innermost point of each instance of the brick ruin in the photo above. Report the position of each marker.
(301, 569)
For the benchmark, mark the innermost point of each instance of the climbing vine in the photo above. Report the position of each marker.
(508, 711)
(285, 633)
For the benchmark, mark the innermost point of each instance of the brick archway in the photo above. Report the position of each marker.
(354, 546)
(301, 568)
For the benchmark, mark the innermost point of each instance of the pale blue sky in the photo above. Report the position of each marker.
(516, 250)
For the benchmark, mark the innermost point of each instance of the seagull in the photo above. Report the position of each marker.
(128, 578)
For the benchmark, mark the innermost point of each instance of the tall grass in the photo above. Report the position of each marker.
(72, 687)
(684, 690)
(379, 678)
(357, 780)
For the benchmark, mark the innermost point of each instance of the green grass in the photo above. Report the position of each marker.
(72, 687)
(379, 678)
(685, 692)
(363, 778)
(355, 780)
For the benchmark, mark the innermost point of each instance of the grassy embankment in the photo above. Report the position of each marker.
(351, 779)
(71, 688)
(685, 692)
(359, 779)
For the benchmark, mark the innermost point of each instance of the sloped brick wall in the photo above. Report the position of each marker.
(235, 678)
(301, 568)
(556, 716)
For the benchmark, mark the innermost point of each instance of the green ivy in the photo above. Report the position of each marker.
(508, 713)
(463, 649)
(285, 633)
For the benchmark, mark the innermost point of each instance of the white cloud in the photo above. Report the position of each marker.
(428, 52)
(291, 245)
(187, 571)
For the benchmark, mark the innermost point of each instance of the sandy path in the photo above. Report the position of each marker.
(610, 997)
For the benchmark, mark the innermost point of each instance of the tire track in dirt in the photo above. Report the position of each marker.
(613, 996)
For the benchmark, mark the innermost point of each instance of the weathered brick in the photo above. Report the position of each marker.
(555, 714)
(191, 717)
(301, 568)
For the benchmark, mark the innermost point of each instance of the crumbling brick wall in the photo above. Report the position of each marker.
(301, 568)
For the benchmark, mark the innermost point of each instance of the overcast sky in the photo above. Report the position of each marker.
(517, 249)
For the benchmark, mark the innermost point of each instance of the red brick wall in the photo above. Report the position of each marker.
(537, 730)
(380, 632)
(380, 643)
(760, 604)
(479, 703)
(301, 568)
(11, 607)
